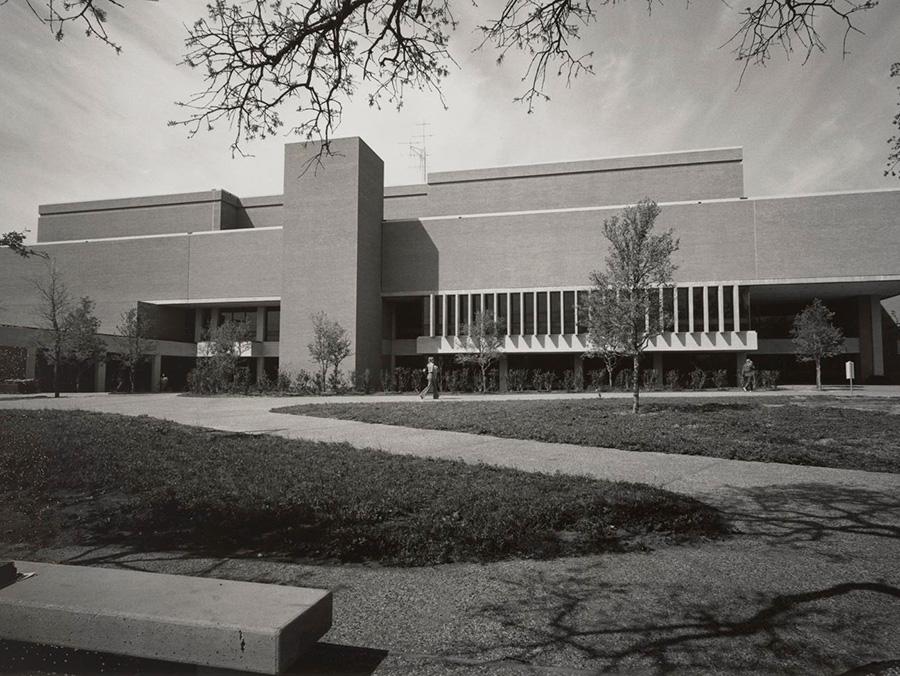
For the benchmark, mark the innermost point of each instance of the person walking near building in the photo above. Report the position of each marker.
(748, 375)
(431, 372)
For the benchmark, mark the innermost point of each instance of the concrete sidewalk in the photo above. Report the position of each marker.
(692, 475)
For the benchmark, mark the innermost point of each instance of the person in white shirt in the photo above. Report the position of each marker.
(431, 371)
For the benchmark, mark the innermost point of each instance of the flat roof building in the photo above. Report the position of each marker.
(401, 268)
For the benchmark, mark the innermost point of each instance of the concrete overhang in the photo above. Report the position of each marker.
(883, 286)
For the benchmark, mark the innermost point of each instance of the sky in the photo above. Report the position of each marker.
(78, 122)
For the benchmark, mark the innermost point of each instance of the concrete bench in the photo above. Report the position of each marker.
(245, 626)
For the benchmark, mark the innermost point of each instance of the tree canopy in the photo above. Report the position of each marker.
(260, 57)
(624, 308)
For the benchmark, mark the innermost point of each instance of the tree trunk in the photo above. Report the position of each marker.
(483, 379)
(818, 374)
(636, 384)
(56, 379)
(609, 373)
(131, 378)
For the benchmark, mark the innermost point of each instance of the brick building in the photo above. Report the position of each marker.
(402, 267)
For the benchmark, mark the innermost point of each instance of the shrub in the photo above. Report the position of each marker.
(304, 383)
(623, 380)
(673, 379)
(698, 378)
(568, 380)
(651, 379)
(517, 380)
(769, 379)
(385, 381)
(720, 378)
(543, 380)
(597, 378)
(264, 383)
(283, 383)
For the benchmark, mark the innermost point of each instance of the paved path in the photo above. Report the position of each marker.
(693, 475)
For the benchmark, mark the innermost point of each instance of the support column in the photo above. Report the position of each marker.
(260, 368)
(706, 309)
(736, 306)
(155, 372)
(30, 362)
(198, 325)
(578, 368)
(658, 366)
(871, 346)
(721, 323)
(431, 315)
(691, 309)
(100, 376)
(503, 373)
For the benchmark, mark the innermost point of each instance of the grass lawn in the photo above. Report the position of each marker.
(800, 432)
(73, 477)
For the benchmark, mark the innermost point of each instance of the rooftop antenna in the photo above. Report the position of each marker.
(418, 148)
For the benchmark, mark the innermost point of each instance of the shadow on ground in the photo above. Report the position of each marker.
(323, 659)
(801, 515)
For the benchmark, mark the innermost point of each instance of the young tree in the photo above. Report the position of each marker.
(82, 346)
(259, 56)
(135, 329)
(816, 337)
(483, 340)
(628, 314)
(330, 346)
(603, 338)
(52, 309)
(225, 345)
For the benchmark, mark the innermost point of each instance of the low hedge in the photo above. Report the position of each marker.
(78, 477)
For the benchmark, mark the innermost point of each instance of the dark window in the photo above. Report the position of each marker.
(555, 303)
(438, 316)
(729, 308)
(515, 314)
(697, 291)
(502, 313)
(682, 308)
(273, 324)
(451, 315)
(529, 314)
(669, 308)
(541, 312)
(244, 316)
(476, 305)
(569, 312)
(489, 304)
(463, 310)
(745, 310)
(712, 294)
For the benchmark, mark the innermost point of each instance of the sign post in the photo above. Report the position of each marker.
(850, 369)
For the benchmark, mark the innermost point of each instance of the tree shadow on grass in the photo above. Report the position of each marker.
(575, 620)
(801, 515)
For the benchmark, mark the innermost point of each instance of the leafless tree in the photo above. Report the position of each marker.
(260, 56)
(52, 309)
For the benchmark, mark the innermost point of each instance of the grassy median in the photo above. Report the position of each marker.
(72, 477)
(802, 432)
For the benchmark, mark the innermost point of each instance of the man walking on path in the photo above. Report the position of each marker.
(431, 371)
(748, 375)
